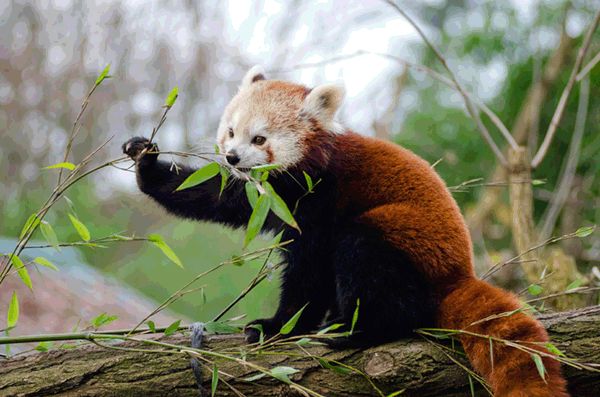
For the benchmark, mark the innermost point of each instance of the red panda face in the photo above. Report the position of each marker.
(271, 122)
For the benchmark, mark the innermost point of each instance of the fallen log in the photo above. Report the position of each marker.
(416, 366)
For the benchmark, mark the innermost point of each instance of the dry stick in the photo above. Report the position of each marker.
(568, 173)
(580, 290)
(468, 103)
(562, 103)
(587, 68)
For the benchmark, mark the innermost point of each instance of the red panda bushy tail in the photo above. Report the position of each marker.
(510, 372)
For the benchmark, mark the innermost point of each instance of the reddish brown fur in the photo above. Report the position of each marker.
(392, 189)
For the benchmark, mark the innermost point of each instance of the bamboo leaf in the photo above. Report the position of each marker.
(67, 165)
(13, 311)
(158, 241)
(539, 364)
(355, 316)
(103, 75)
(265, 167)
(49, 235)
(575, 284)
(200, 176)
(309, 181)
(21, 270)
(215, 380)
(257, 218)
(535, 289)
(554, 350)
(585, 231)
(45, 262)
(43, 346)
(82, 230)
(224, 178)
(279, 207)
(151, 326)
(171, 329)
(255, 377)
(251, 193)
(282, 373)
(172, 97)
(32, 222)
(291, 323)
(332, 327)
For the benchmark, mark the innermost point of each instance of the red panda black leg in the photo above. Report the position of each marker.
(160, 179)
(394, 298)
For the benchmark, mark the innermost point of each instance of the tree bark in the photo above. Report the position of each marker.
(415, 365)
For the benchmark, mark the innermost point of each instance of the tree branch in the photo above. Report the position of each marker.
(420, 367)
(562, 103)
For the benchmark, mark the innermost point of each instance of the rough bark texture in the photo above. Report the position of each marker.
(415, 365)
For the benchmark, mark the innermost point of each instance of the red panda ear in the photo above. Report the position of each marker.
(255, 74)
(323, 102)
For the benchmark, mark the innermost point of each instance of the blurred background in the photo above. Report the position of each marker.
(52, 51)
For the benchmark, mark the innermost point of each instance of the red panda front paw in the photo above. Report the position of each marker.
(253, 329)
(139, 146)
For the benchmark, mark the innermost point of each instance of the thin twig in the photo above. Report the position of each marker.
(468, 103)
(568, 173)
(587, 68)
(562, 103)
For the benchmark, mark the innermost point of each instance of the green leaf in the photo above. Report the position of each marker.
(171, 329)
(32, 222)
(151, 326)
(172, 97)
(539, 364)
(471, 385)
(397, 393)
(237, 260)
(43, 346)
(103, 75)
(266, 167)
(337, 368)
(289, 326)
(554, 350)
(158, 241)
(83, 231)
(303, 341)
(45, 262)
(217, 150)
(67, 165)
(282, 373)
(309, 181)
(355, 316)
(49, 235)
(332, 327)
(585, 231)
(13, 311)
(224, 178)
(279, 207)
(215, 380)
(213, 327)
(102, 319)
(535, 289)
(575, 284)
(255, 377)
(200, 176)
(251, 193)
(538, 182)
(21, 270)
(257, 218)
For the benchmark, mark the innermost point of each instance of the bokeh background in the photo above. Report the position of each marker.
(52, 51)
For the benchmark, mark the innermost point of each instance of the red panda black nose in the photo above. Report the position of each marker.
(232, 158)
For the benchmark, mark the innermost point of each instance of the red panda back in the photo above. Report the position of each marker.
(395, 191)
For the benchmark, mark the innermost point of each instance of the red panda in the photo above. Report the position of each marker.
(381, 227)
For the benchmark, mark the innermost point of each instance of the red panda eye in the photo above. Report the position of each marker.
(230, 132)
(259, 140)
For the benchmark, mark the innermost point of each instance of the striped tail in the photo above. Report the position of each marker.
(509, 371)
